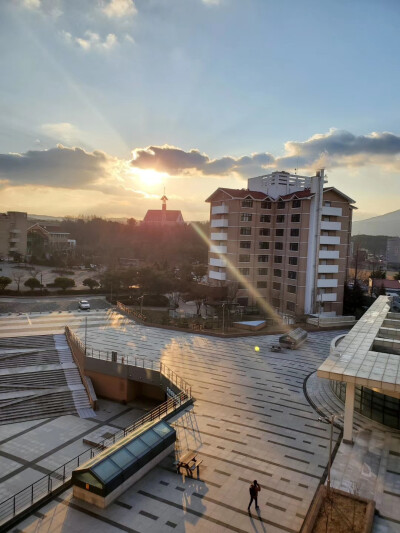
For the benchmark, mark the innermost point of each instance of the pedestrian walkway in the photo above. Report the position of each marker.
(371, 466)
(250, 421)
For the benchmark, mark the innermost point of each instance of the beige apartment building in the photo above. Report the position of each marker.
(288, 237)
(13, 234)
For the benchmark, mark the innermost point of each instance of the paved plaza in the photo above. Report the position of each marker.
(251, 420)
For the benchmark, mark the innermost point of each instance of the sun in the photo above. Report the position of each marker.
(151, 177)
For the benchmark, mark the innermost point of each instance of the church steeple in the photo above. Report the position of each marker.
(164, 201)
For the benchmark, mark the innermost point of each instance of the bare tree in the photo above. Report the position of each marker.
(18, 277)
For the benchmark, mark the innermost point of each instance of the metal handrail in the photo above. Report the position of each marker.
(130, 360)
(25, 498)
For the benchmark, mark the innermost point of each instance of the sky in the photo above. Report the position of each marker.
(103, 103)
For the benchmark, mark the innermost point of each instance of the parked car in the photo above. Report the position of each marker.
(84, 305)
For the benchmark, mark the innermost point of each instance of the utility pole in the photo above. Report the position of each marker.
(85, 333)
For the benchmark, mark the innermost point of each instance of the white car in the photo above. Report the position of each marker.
(84, 305)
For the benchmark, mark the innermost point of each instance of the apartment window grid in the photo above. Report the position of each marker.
(247, 202)
(246, 217)
(244, 258)
(278, 259)
(296, 204)
(266, 232)
(279, 245)
(295, 218)
(292, 274)
(244, 271)
(294, 246)
(245, 230)
(265, 218)
(266, 204)
(279, 232)
(294, 232)
(292, 289)
(263, 258)
(280, 205)
(245, 244)
(276, 286)
(263, 245)
(293, 260)
(263, 271)
(261, 284)
(277, 272)
(280, 219)
(290, 306)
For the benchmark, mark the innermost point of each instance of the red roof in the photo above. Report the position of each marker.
(305, 193)
(158, 215)
(240, 193)
(387, 283)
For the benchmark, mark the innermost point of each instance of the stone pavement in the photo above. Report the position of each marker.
(371, 466)
(250, 420)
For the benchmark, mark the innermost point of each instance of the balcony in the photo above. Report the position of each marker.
(325, 283)
(220, 210)
(325, 239)
(219, 223)
(334, 226)
(330, 297)
(15, 230)
(332, 211)
(13, 240)
(215, 249)
(328, 254)
(328, 269)
(219, 236)
(221, 276)
(217, 262)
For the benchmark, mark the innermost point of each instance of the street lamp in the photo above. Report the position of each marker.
(141, 303)
(331, 422)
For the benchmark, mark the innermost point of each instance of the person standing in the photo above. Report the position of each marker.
(254, 489)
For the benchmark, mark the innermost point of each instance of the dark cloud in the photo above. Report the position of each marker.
(57, 167)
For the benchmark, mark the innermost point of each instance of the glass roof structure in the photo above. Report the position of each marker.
(113, 466)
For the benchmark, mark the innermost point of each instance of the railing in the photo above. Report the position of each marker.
(129, 360)
(48, 484)
(131, 312)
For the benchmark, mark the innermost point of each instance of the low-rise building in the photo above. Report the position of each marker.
(163, 217)
(13, 234)
(47, 239)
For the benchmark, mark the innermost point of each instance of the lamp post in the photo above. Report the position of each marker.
(141, 303)
(223, 317)
(85, 332)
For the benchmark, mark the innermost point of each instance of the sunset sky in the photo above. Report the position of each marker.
(105, 102)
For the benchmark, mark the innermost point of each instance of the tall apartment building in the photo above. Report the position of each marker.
(393, 252)
(288, 236)
(13, 233)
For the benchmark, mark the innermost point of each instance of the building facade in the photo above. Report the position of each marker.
(45, 239)
(288, 237)
(393, 252)
(163, 217)
(13, 234)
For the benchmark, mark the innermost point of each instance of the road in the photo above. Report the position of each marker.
(49, 304)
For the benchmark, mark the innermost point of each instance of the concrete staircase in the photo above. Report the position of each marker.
(39, 379)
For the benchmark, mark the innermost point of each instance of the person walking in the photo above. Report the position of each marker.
(254, 489)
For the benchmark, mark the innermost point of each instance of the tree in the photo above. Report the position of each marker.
(18, 277)
(397, 276)
(32, 283)
(64, 283)
(4, 281)
(91, 283)
(353, 298)
(378, 274)
(382, 290)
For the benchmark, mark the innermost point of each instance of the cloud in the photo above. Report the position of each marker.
(31, 4)
(120, 8)
(62, 131)
(57, 167)
(337, 148)
(91, 40)
(212, 2)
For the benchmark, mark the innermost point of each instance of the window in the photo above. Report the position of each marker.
(280, 219)
(277, 273)
(296, 204)
(263, 258)
(245, 217)
(263, 271)
(265, 218)
(291, 288)
(245, 244)
(276, 286)
(294, 246)
(279, 232)
(244, 271)
(276, 302)
(245, 231)
(327, 204)
(292, 274)
(279, 246)
(278, 259)
(266, 205)
(290, 306)
(296, 218)
(292, 260)
(280, 205)
(261, 284)
(247, 202)
(264, 245)
(294, 232)
(265, 231)
(244, 258)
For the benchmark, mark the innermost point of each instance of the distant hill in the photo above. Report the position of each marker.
(388, 224)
